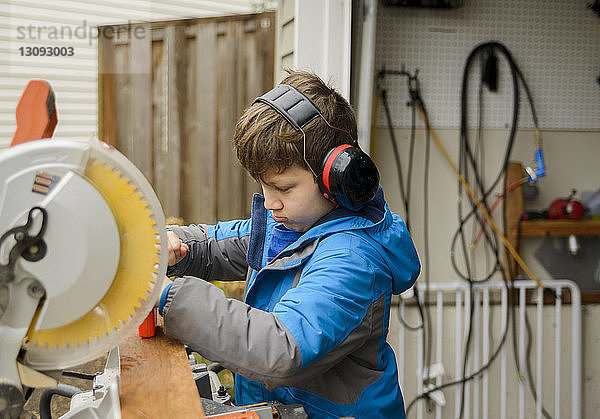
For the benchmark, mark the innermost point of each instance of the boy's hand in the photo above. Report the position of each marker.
(177, 250)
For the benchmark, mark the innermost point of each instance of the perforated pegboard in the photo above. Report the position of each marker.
(556, 44)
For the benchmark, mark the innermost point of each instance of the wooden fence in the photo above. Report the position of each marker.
(169, 96)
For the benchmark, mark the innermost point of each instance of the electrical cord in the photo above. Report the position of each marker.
(404, 323)
(531, 386)
(424, 314)
(517, 77)
(426, 243)
(508, 247)
(476, 373)
(466, 158)
(467, 348)
(411, 152)
(386, 108)
(465, 146)
(415, 94)
(46, 397)
(528, 367)
(413, 88)
(470, 168)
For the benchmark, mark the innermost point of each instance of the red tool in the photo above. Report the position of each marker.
(148, 327)
(568, 208)
(36, 113)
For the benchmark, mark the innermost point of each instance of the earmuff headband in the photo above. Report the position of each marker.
(295, 107)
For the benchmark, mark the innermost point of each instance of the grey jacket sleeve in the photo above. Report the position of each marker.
(211, 258)
(243, 339)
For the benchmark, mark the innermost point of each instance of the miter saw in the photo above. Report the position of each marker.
(82, 244)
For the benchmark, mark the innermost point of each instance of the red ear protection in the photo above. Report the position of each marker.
(348, 176)
(328, 164)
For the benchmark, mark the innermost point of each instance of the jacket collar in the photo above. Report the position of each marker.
(373, 214)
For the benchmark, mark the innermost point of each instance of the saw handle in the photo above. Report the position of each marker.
(148, 327)
(36, 113)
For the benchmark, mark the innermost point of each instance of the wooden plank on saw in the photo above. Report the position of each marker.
(156, 379)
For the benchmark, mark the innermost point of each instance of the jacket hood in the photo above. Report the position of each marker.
(386, 228)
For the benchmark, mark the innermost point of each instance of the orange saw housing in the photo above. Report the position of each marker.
(36, 113)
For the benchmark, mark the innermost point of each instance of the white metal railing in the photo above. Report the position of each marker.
(447, 297)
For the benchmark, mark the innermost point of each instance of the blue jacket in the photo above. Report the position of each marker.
(313, 327)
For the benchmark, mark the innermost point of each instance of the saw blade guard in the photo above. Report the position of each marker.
(105, 247)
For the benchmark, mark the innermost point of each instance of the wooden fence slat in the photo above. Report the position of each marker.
(175, 39)
(122, 100)
(226, 102)
(237, 189)
(159, 119)
(253, 89)
(201, 142)
(106, 88)
(140, 69)
(182, 94)
(266, 50)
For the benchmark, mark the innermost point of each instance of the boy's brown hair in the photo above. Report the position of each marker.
(265, 141)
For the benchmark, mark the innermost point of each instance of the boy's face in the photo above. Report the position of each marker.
(294, 198)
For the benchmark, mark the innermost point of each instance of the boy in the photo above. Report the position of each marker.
(319, 275)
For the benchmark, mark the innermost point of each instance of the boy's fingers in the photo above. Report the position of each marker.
(173, 239)
(177, 250)
(175, 256)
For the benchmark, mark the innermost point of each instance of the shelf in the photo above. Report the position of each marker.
(513, 209)
(559, 228)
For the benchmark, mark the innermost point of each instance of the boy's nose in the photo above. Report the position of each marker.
(272, 202)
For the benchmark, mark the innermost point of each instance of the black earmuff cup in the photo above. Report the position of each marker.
(353, 178)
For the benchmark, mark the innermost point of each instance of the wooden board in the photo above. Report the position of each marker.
(156, 379)
(513, 208)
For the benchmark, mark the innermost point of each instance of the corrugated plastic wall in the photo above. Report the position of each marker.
(69, 26)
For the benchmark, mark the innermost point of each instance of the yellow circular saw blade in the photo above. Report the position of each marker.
(137, 269)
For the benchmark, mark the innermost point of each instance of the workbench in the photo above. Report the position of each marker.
(156, 379)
